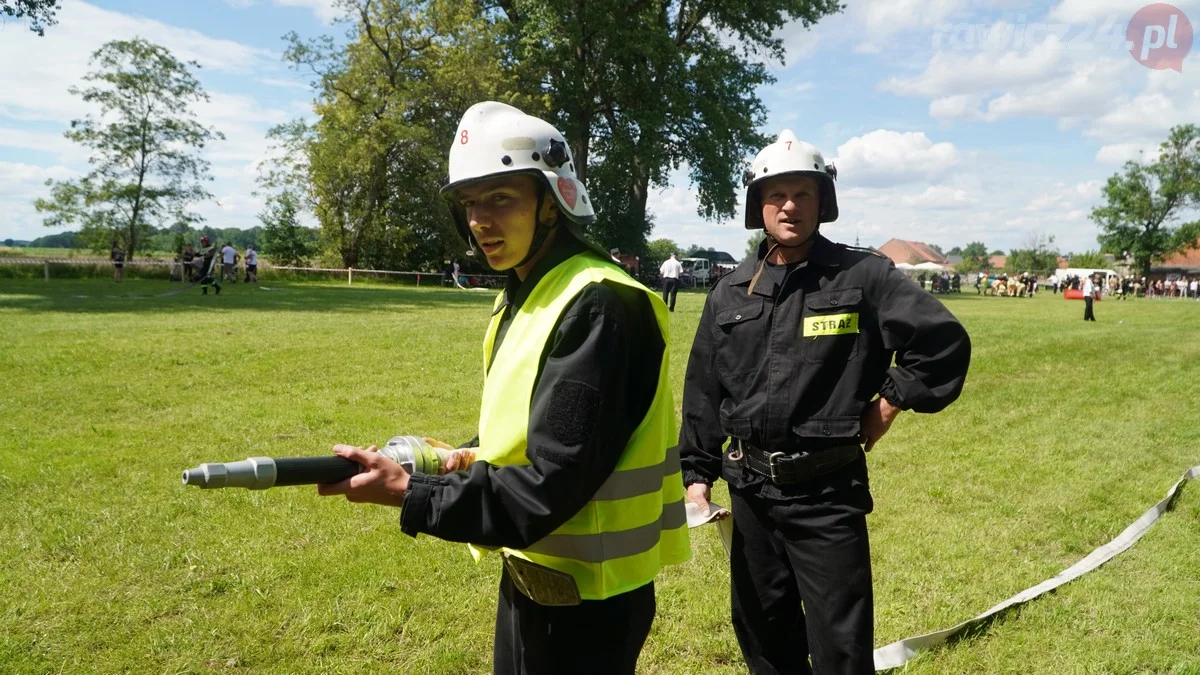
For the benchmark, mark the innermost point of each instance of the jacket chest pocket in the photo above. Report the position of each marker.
(739, 338)
(830, 327)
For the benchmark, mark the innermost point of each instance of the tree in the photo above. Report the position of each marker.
(937, 248)
(753, 241)
(1089, 259)
(283, 238)
(658, 251)
(1036, 255)
(975, 258)
(1142, 203)
(144, 144)
(661, 249)
(371, 166)
(997, 252)
(975, 249)
(955, 251)
(644, 88)
(39, 12)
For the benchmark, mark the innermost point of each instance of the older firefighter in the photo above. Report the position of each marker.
(206, 267)
(572, 479)
(792, 361)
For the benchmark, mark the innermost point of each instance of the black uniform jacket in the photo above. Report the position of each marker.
(792, 366)
(596, 379)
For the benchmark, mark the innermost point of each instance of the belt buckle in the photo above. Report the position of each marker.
(771, 464)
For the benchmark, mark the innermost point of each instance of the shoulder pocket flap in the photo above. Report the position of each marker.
(746, 312)
(833, 427)
(832, 300)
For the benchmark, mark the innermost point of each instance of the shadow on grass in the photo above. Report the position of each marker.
(99, 297)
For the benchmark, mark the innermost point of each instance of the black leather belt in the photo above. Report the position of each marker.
(784, 468)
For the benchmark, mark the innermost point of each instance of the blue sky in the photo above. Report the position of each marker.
(950, 120)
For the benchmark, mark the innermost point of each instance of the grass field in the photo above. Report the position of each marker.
(1064, 434)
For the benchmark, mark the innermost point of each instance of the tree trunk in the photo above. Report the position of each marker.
(131, 244)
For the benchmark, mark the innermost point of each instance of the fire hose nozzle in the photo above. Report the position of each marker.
(255, 473)
(260, 473)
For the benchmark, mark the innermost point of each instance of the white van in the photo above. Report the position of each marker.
(1082, 272)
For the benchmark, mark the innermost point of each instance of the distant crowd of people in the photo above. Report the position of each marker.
(1023, 285)
(193, 265)
(1125, 287)
(198, 265)
(945, 282)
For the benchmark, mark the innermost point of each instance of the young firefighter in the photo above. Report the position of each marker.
(793, 361)
(572, 478)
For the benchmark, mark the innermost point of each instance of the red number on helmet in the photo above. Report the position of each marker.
(788, 142)
(462, 138)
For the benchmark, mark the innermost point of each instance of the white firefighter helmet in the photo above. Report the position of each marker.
(786, 156)
(494, 139)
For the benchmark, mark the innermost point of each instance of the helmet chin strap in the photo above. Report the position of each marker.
(541, 231)
(771, 249)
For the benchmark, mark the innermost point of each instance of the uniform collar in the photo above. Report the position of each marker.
(824, 253)
(517, 291)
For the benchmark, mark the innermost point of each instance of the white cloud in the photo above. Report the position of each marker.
(955, 73)
(13, 174)
(35, 107)
(20, 185)
(41, 141)
(1146, 117)
(940, 197)
(1082, 84)
(798, 42)
(37, 90)
(886, 157)
(285, 84)
(1083, 11)
(887, 17)
(1069, 199)
(1119, 153)
(961, 107)
(1089, 87)
(326, 11)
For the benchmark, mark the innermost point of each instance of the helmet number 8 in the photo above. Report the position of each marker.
(462, 138)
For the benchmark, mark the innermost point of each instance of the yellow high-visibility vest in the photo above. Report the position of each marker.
(635, 523)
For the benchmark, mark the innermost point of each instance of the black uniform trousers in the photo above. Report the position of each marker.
(595, 636)
(670, 287)
(801, 575)
(1087, 309)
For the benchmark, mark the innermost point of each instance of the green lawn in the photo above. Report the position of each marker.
(1064, 434)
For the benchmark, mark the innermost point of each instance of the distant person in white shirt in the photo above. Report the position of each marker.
(228, 258)
(251, 265)
(1089, 296)
(671, 269)
(457, 275)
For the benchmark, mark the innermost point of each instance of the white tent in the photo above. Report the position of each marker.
(904, 266)
(929, 266)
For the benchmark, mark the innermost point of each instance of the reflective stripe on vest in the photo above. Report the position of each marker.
(635, 522)
(594, 548)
